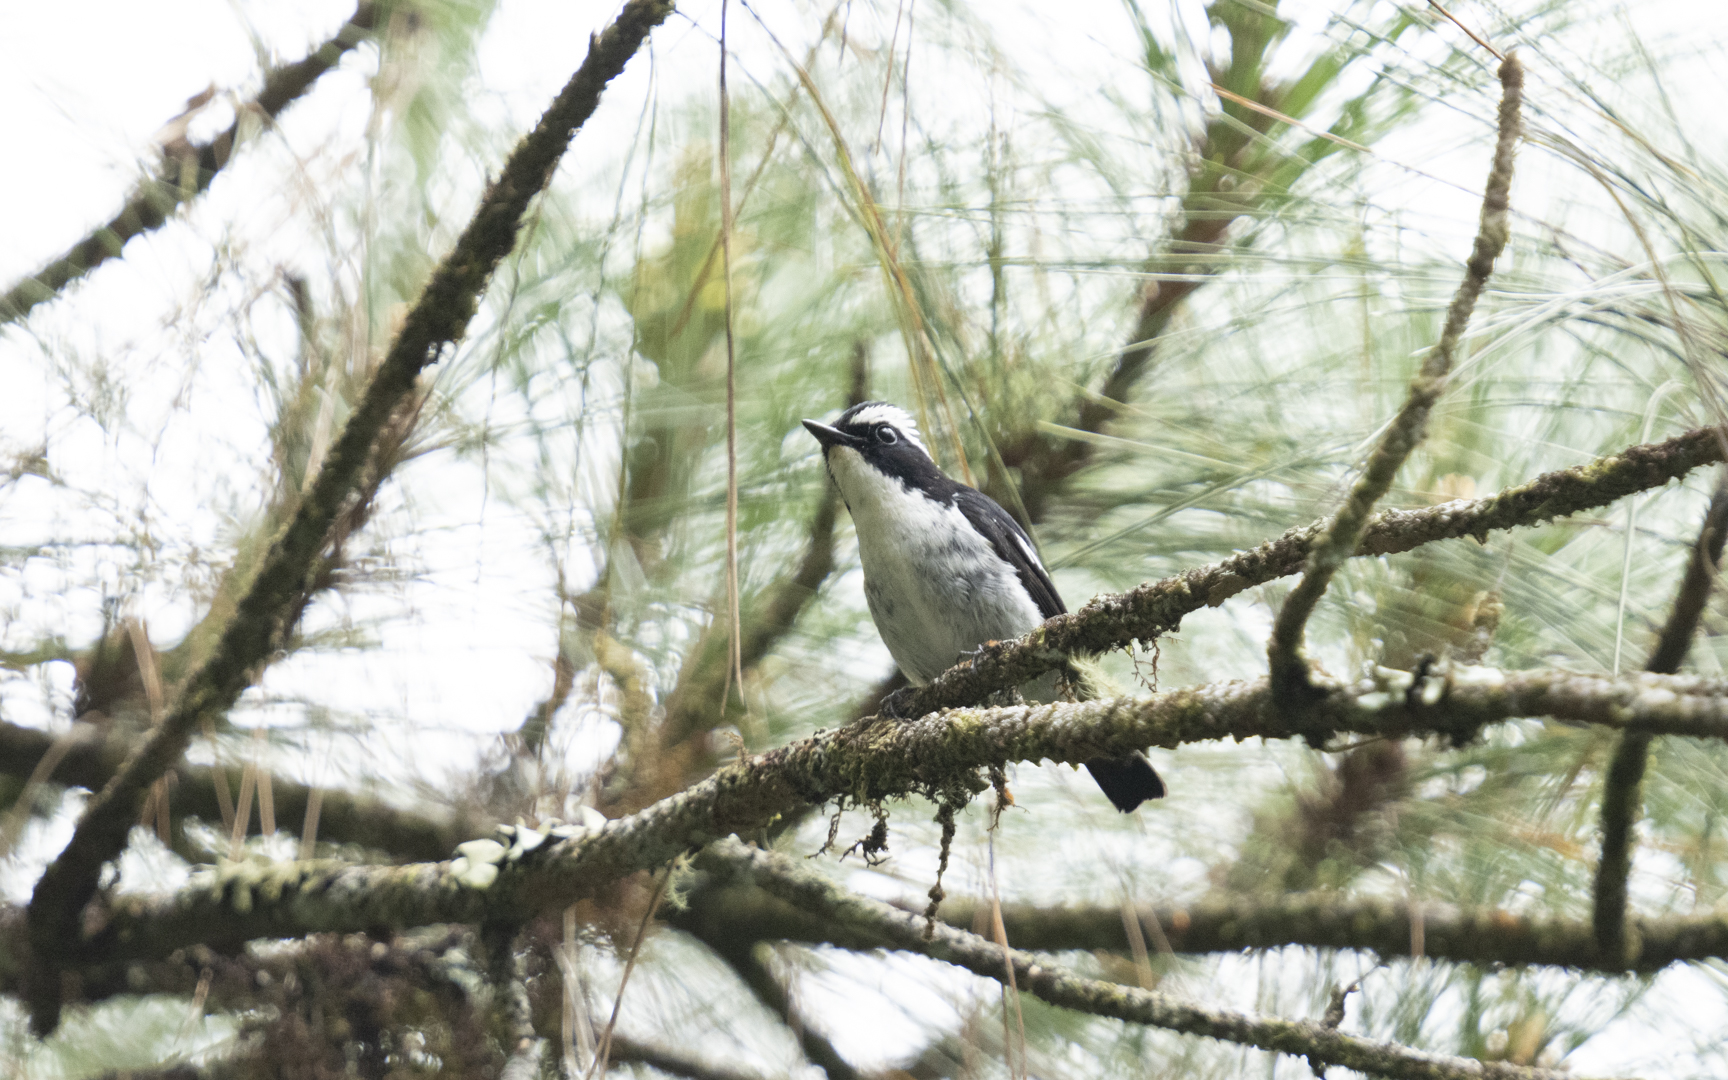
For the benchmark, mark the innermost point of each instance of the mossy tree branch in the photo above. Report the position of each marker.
(438, 319)
(248, 981)
(1160, 606)
(902, 930)
(750, 912)
(1625, 777)
(869, 762)
(1448, 932)
(185, 173)
(1143, 613)
(1343, 533)
(1490, 937)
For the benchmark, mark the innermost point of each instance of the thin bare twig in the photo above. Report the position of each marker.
(735, 668)
(218, 773)
(1625, 777)
(243, 814)
(1014, 1039)
(602, 1053)
(156, 805)
(1471, 34)
(309, 823)
(1289, 666)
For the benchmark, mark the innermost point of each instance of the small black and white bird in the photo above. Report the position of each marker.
(946, 569)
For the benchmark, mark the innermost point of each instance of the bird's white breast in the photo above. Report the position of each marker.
(936, 588)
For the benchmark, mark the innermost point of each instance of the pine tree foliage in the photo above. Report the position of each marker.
(1155, 275)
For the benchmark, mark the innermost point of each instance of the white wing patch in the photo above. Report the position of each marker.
(1025, 548)
(884, 413)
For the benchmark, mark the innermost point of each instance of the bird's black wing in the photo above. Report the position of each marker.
(1127, 781)
(1010, 542)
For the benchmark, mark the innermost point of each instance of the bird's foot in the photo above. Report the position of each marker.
(972, 656)
(898, 705)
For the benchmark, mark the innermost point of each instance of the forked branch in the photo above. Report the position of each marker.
(1116, 620)
(1289, 667)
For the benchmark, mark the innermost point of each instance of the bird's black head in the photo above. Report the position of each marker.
(886, 438)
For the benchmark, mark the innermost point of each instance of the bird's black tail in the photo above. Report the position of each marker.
(1127, 781)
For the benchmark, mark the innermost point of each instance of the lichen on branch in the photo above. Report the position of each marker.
(1287, 661)
(868, 762)
(1116, 620)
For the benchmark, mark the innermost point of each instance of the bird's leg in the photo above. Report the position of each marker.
(898, 705)
(971, 655)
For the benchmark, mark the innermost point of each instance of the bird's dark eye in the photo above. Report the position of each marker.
(886, 435)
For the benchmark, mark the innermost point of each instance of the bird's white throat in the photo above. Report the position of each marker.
(936, 588)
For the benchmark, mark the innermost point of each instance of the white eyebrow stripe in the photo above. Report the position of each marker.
(884, 413)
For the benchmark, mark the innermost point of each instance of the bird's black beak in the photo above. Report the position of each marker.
(828, 436)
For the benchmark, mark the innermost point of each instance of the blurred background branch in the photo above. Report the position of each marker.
(186, 169)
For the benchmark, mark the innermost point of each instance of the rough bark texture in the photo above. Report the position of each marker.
(941, 757)
(1142, 614)
(1288, 663)
(1448, 932)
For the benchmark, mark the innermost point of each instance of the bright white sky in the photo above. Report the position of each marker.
(87, 85)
